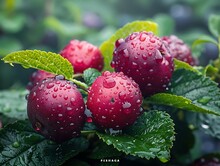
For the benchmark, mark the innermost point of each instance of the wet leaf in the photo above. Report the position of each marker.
(47, 61)
(20, 145)
(190, 91)
(13, 104)
(90, 75)
(151, 136)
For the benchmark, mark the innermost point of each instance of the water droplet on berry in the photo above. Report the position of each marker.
(109, 82)
(60, 115)
(79, 61)
(158, 56)
(54, 95)
(126, 53)
(126, 105)
(112, 64)
(71, 124)
(144, 56)
(59, 77)
(122, 95)
(143, 37)
(152, 40)
(113, 132)
(26, 96)
(118, 42)
(134, 65)
(69, 108)
(50, 85)
(65, 97)
(72, 101)
(141, 48)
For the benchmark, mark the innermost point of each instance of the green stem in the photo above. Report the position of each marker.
(88, 132)
(77, 75)
(80, 84)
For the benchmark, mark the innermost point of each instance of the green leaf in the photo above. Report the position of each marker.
(204, 39)
(20, 145)
(151, 136)
(107, 47)
(192, 92)
(47, 61)
(13, 104)
(183, 65)
(214, 25)
(90, 75)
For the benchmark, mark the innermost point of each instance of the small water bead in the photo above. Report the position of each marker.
(50, 85)
(60, 115)
(143, 37)
(109, 82)
(16, 144)
(59, 77)
(69, 108)
(126, 53)
(158, 56)
(54, 95)
(118, 42)
(65, 97)
(126, 105)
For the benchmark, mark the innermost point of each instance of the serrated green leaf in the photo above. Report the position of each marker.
(151, 136)
(214, 25)
(90, 75)
(13, 104)
(108, 46)
(204, 39)
(47, 61)
(183, 65)
(20, 145)
(192, 92)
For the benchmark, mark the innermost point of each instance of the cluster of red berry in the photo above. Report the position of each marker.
(143, 65)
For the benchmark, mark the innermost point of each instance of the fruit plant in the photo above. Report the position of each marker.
(127, 102)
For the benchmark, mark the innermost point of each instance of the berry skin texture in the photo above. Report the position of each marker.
(179, 50)
(37, 77)
(83, 55)
(146, 59)
(207, 161)
(114, 101)
(56, 108)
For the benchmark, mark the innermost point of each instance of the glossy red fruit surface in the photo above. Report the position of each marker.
(114, 101)
(83, 55)
(37, 77)
(56, 109)
(144, 57)
(179, 50)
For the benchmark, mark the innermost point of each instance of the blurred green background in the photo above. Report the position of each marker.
(50, 24)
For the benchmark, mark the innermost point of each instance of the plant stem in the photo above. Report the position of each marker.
(80, 84)
(88, 132)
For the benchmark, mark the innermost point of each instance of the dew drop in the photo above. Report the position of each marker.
(79, 61)
(50, 85)
(69, 109)
(33, 95)
(109, 82)
(126, 53)
(204, 100)
(134, 65)
(72, 101)
(16, 144)
(144, 56)
(205, 126)
(65, 97)
(60, 115)
(158, 56)
(55, 89)
(54, 95)
(113, 132)
(143, 37)
(118, 42)
(59, 77)
(122, 95)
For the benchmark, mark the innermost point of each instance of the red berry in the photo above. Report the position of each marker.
(145, 58)
(114, 101)
(83, 55)
(56, 109)
(37, 77)
(207, 161)
(179, 50)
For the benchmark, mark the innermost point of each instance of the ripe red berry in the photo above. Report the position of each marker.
(56, 109)
(114, 101)
(207, 161)
(83, 55)
(37, 77)
(145, 58)
(179, 50)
